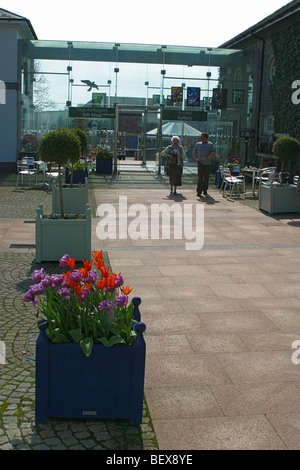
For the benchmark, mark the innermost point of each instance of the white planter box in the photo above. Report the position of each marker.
(56, 237)
(276, 199)
(75, 199)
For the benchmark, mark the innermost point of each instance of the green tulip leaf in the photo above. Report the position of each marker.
(60, 338)
(86, 345)
(111, 341)
(76, 335)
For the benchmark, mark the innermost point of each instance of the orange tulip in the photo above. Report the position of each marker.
(99, 264)
(126, 290)
(97, 255)
(104, 272)
(84, 272)
(78, 289)
(87, 265)
(71, 263)
(111, 280)
(101, 284)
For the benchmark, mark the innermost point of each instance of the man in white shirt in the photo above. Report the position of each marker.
(203, 153)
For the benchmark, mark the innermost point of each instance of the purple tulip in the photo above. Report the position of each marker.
(119, 281)
(57, 280)
(37, 289)
(84, 294)
(29, 297)
(92, 277)
(121, 301)
(64, 292)
(63, 261)
(75, 276)
(105, 304)
(46, 282)
(38, 275)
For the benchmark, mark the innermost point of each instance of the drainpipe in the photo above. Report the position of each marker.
(260, 86)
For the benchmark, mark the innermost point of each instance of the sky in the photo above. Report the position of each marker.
(191, 23)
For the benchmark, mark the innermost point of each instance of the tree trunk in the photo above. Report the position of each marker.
(72, 173)
(61, 199)
(281, 174)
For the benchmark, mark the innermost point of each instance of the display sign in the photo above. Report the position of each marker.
(184, 115)
(193, 96)
(176, 94)
(95, 112)
(98, 99)
(219, 99)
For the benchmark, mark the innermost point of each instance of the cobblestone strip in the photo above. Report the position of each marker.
(18, 430)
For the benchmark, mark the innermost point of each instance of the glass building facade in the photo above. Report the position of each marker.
(123, 95)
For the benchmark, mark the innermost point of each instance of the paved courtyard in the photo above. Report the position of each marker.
(220, 326)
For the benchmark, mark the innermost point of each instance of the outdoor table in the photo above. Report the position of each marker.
(253, 172)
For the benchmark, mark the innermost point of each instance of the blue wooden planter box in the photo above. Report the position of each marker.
(107, 384)
(104, 165)
(78, 176)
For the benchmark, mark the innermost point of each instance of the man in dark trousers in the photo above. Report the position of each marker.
(203, 153)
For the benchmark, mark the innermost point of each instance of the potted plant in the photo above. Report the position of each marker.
(234, 165)
(53, 232)
(76, 171)
(104, 160)
(282, 197)
(90, 353)
(75, 198)
(59, 146)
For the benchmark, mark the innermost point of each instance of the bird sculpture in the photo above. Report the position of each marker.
(90, 84)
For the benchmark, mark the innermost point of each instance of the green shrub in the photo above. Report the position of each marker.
(59, 146)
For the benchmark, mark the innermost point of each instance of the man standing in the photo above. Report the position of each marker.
(203, 152)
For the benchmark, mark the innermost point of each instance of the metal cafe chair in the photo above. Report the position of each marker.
(231, 182)
(265, 175)
(24, 169)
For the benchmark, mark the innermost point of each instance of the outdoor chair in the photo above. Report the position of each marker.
(231, 182)
(265, 175)
(25, 170)
(52, 174)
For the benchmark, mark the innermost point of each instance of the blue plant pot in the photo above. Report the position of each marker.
(107, 384)
(78, 176)
(104, 165)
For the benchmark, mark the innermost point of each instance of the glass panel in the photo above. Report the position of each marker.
(59, 75)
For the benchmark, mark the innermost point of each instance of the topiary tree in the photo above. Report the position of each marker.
(286, 149)
(59, 146)
(83, 137)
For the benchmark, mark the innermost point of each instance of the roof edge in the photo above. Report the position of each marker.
(17, 18)
(283, 12)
